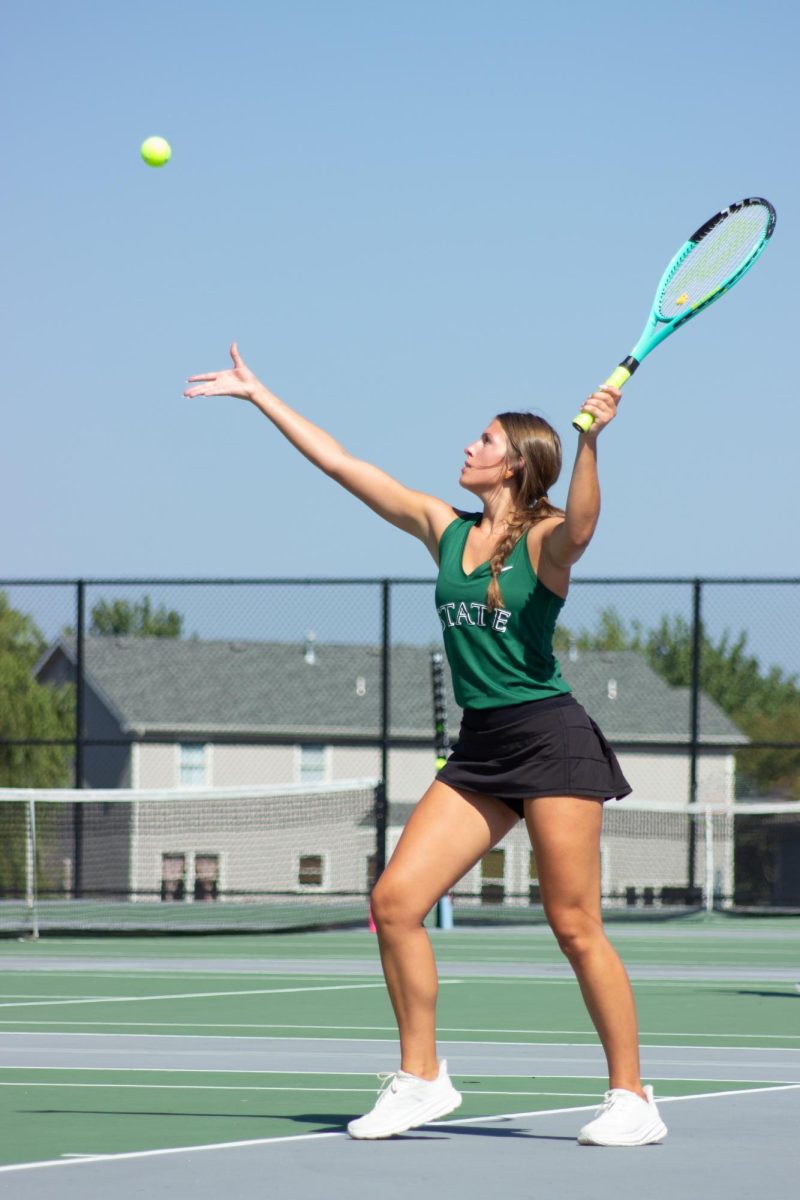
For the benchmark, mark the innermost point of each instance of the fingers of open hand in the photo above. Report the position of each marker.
(207, 388)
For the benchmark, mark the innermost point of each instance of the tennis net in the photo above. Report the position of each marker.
(286, 857)
(657, 859)
(186, 860)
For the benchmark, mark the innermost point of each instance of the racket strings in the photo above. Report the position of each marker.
(716, 259)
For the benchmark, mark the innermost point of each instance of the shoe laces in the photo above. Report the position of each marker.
(614, 1096)
(389, 1082)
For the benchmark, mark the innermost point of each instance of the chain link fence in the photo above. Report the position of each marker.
(152, 684)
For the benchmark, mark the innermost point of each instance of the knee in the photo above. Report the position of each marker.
(576, 932)
(392, 907)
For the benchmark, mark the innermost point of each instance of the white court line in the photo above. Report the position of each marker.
(338, 987)
(335, 1074)
(370, 1091)
(122, 974)
(37, 996)
(375, 1041)
(568, 979)
(221, 1087)
(70, 1162)
(392, 1029)
(680, 982)
(784, 1087)
(191, 1087)
(474, 961)
(588, 1033)
(310, 1137)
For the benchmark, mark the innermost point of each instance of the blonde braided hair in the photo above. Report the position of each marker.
(534, 455)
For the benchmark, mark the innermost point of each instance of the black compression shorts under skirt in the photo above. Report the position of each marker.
(547, 747)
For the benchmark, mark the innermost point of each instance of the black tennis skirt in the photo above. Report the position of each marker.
(548, 747)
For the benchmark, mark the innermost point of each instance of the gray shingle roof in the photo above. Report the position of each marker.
(630, 702)
(163, 684)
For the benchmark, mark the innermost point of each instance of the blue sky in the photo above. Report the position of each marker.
(411, 216)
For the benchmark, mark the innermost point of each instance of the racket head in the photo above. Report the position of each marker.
(709, 263)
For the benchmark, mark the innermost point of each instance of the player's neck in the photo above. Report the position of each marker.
(498, 513)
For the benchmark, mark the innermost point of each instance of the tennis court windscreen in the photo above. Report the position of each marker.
(250, 859)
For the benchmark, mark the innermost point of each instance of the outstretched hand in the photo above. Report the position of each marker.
(238, 380)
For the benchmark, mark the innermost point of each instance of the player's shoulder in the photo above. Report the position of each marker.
(443, 515)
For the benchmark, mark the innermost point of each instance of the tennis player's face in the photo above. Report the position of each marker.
(485, 459)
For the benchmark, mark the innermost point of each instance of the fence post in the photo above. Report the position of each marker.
(694, 722)
(80, 733)
(382, 801)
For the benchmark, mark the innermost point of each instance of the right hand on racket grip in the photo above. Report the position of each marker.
(599, 409)
(236, 381)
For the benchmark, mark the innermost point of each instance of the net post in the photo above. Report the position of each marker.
(444, 913)
(708, 888)
(30, 870)
(441, 741)
(694, 726)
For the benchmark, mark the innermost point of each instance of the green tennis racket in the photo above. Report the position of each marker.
(705, 268)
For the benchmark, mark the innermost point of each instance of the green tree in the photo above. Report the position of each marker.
(28, 710)
(765, 705)
(121, 618)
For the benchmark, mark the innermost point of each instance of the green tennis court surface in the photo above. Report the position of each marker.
(120, 1046)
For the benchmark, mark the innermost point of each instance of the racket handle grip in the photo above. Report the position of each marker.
(617, 379)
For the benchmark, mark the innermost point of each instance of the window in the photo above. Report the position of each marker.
(173, 876)
(493, 866)
(192, 764)
(311, 870)
(206, 876)
(313, 763)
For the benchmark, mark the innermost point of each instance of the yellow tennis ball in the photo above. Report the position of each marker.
(156, 151)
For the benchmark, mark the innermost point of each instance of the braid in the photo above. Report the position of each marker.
(534, 454)
(516, 530)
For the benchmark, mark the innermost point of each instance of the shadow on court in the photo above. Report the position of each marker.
(762, 993)
(333, 1123)
(430, 1133)
(526, 1134)
(322, 1122)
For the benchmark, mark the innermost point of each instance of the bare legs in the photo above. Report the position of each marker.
(565, 835)
(447, 834)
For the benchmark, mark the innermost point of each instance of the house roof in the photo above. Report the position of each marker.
(193, 687)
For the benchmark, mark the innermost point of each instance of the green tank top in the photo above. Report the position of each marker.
(504, 656)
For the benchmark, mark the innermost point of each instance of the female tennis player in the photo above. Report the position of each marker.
(526, 749)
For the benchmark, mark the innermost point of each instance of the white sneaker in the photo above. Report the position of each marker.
(624, 1119)
(405, 1102)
